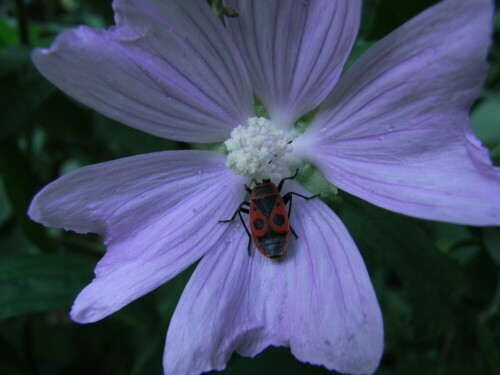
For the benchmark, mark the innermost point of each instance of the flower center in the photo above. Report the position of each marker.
(259, 151)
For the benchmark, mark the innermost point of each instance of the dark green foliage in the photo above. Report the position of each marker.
(415, 266)
(42, 282)
(438, 284)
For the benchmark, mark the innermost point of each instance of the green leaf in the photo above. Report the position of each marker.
(149, 353)
(34, 283)
(488, 348)
(21, 185)
(359, 48)
(403, 246)
(392, 13)
(8, 34)
(5, 209)
(27, 90)
(13, 240)
(485, 120)
(10, 362)
(123, 140)
(496, 22)
(491, 238)
(272, 360)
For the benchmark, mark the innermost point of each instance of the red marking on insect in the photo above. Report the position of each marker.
(269, 220)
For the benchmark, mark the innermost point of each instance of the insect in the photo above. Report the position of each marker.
(228, 12)
(269, 220)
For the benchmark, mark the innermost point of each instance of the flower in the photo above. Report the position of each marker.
(393, 130)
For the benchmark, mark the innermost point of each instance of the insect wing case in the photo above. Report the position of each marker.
(269, 220)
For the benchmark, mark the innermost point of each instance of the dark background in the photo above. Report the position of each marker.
(438, 284)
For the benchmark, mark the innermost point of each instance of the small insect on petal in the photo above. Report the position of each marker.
(269, 220)
(228, 12)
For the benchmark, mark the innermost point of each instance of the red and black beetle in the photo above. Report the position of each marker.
(269, 220)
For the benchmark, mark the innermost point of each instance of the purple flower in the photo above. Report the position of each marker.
(393, 129)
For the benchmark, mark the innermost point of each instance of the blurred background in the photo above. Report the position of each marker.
(438, 284)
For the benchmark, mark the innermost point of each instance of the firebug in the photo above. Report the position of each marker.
(269, 220)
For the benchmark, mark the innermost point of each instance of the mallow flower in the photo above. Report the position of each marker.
(393, 129)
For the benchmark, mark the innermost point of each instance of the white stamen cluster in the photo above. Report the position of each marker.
(259, 151)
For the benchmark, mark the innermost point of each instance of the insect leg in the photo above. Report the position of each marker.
(240, 208)
(245, 210)
(280, 185)
(299, 195)
(288, 198)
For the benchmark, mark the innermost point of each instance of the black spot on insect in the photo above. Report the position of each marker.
(266, 204)
(258, 223)
(278, 219)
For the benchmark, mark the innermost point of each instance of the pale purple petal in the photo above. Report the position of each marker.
(158, 213)
(396, 130)
(294, 50)
(317, 299)
(168, 68)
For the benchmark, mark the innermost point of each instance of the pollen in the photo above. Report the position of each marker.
(257, 150)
